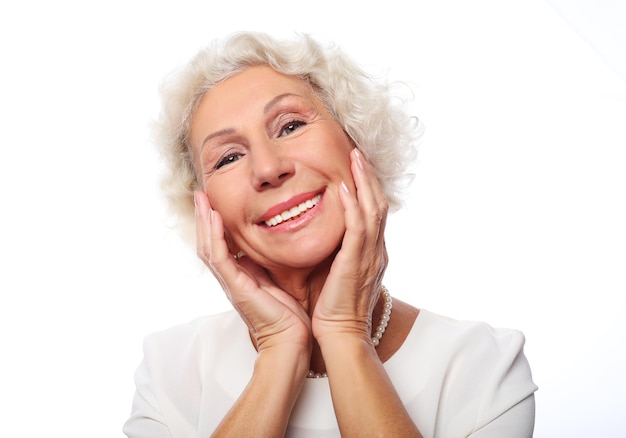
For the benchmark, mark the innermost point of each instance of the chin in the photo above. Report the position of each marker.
(309, 258)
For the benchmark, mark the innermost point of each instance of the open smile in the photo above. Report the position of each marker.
(294, 212)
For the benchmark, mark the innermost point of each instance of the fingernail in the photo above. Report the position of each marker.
(344, 187)
(359, 158)
(211, 211)
(195, 201)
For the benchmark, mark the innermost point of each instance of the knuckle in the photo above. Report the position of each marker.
(203, 253)
(360, 229)
(213, 263)
(383, 206)
(377, 216)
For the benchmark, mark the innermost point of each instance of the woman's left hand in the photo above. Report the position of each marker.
(353, 285)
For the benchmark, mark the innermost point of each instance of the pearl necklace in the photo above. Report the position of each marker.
(378, 334)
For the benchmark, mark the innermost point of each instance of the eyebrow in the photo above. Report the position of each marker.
(227, 131)
(272, 103)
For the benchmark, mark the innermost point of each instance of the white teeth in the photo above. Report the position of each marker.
(293, 212)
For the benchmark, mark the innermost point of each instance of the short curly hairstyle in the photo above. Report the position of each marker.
(366, 109)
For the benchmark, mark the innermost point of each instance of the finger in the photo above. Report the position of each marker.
(202, 224)
(355, 236)
(364, 177)
(211, 245)
(369, 195)
(369, 192)
(361, 255)
(203, 227)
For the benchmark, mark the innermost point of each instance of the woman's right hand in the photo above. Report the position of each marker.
(274, 318)
(278, 324)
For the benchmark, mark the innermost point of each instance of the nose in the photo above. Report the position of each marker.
(271, 167)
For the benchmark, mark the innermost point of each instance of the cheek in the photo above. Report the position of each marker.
(334, 157)
(223, 201)
(342, 166)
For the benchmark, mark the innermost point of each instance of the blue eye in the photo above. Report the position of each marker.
(228, 159)
(291, 127)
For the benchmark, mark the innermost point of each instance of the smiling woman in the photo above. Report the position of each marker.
(286, 157)
(270, 130)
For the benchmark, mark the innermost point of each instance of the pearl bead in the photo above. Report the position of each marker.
(314, 375)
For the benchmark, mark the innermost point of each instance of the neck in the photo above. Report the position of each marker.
(304, 285)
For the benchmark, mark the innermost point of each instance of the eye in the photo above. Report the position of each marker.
(228, 159)
(290, 127)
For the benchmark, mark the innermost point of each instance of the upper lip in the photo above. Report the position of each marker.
(288, 204)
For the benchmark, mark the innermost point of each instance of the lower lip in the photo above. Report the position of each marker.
(298, 222)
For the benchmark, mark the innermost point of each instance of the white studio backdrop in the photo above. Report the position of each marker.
(516, 215)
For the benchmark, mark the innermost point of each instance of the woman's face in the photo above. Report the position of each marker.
(271, 159)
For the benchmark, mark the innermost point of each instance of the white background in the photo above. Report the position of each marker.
(516, 215)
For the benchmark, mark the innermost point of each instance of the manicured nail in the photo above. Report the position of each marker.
(344, 187)
(195, 201)
(359, 158)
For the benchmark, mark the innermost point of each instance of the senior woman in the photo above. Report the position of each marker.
(286, 156)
